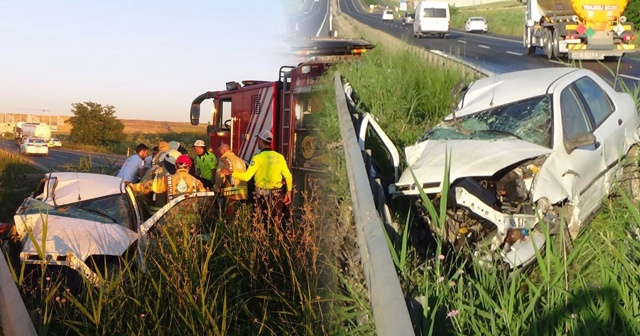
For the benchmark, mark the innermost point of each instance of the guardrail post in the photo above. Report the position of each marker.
(13, 313)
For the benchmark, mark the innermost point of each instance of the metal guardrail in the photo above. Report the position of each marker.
(13, 313)
(390, 310)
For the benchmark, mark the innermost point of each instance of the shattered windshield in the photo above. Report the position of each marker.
(529, 120)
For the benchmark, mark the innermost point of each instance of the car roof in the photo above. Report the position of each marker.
(510, 87)
(70, 187)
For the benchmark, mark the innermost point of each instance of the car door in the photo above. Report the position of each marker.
(609, 125)
(584, 166)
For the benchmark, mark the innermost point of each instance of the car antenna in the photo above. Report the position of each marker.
(493, 91)
(78, 182)
(455, 93)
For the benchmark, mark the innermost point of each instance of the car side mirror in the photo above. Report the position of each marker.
(579, 140)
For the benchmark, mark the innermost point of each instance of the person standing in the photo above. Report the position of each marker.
(269, 168)
(133, 167)
(206, 163)
(233, 190)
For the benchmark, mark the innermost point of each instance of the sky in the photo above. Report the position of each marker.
(149, 59)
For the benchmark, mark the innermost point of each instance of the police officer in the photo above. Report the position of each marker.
(269, 168)
(173, 185)
(206, 163)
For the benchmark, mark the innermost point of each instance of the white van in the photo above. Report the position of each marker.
(432, 17)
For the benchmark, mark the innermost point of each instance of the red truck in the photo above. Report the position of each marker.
(286, 107)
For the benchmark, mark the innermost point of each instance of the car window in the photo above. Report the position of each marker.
(529, 120)
(597, 101)
(574, 119)
(434, 12)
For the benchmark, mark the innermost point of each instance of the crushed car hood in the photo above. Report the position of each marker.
(82, 237)
(468, 158)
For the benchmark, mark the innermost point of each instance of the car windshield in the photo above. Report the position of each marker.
(528, 120)
(476, 19)
(36, 141)
(389, 12)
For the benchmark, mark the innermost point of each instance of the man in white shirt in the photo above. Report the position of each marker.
(134, 168)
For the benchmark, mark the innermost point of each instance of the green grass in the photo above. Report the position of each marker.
(17, 180)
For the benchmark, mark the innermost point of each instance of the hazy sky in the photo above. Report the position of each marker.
(149, 59)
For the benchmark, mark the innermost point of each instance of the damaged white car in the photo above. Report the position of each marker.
(86, 222)
(527, 150)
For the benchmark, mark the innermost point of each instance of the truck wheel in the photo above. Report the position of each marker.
(548, 45)
(556, 44)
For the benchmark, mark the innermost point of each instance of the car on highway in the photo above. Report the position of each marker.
(55, 143)
(407, 18)
(523, 154)
(34, 146)
(387, 15)
(83, 224)
(476, 24)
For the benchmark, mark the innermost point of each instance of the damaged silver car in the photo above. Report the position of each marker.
(526, 152)
(88, 223)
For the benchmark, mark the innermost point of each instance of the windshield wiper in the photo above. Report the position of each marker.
(99, 214)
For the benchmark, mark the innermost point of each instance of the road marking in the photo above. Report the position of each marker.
(64, 157)
(483, 46)
(515, 53)
(461, 41)
(630, 77)
(326, 15)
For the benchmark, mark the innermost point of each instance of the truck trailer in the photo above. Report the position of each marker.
(578, 29)
(287, 107)
(24, 130)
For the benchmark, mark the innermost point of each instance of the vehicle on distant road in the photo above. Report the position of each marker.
(530, 152)
(432, 18)
(34, 146)
(82, 224)
(24, 130)
(578, 29)
(387, 15)
(54, 142)
(476, 24)
(407, 18)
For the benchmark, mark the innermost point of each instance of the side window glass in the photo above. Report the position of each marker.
(224, 115)
(596, 100)
(574, 119)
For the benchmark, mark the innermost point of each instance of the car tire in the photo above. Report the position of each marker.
(630, 179)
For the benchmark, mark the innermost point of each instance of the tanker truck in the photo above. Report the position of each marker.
(35, 130)
(578, 29)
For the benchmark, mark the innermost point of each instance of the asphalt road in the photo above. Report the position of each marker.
(489, 52)
(62, 159)
(313, 21)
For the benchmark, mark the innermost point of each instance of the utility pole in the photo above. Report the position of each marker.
(43, 111)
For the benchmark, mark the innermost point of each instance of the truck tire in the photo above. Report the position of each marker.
(547, 43)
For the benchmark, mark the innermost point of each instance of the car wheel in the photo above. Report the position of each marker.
(630, 180)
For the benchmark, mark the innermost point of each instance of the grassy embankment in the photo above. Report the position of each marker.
(592, 289)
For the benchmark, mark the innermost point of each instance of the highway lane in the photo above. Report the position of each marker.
(492, 53)
(62, 159)
(313, 21)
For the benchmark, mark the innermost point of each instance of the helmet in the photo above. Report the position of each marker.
(183, 161)
(199, 143)
(169, 156)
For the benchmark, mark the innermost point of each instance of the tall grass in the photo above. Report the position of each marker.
(240, 278)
